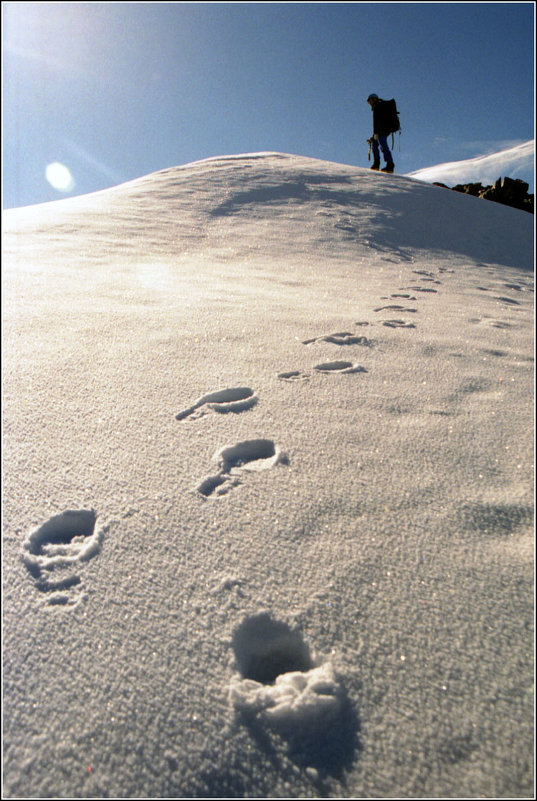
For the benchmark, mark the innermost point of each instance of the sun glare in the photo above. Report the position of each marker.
(59, 177)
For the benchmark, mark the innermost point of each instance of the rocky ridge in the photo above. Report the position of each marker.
(509, 191)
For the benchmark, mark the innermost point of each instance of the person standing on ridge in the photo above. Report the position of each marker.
(381, 124)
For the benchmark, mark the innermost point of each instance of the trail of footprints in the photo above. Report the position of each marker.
(277, 678)
(55, 551)
(235, 461)
(523, 285)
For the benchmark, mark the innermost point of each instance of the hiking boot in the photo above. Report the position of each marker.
(375, 165)
(388, 167)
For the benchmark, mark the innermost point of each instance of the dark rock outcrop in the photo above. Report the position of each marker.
(509, 191)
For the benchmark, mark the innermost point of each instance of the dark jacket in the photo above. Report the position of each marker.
(381, 120)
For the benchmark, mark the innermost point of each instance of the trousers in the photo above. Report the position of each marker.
(383, 142)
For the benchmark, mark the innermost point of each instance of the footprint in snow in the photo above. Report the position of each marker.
(289, 689)
(427, 276)
(488, 321)
(278, 679)
(294, 375)
(339, 367)
(251, 455)
(235, 399)
(54, 552)
(419, 288)
(519, 287)
(395, 308)
(341, 338)
(398, 324)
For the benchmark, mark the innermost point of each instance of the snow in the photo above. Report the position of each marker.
(296, 700)
(517, 161)
(268, 488)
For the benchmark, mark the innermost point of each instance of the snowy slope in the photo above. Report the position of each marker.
(208, 203)
(268, 488)
(515, 162)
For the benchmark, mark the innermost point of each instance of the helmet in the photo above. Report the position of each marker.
(373, 97)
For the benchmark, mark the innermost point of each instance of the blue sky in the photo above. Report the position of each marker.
(114, 91)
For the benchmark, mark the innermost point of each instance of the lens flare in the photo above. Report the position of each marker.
(59, 177)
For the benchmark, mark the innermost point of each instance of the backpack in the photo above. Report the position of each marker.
(392, 116)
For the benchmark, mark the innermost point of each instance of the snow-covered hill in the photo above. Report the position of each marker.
(517, 161)
(268, 488)
(324, 205)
